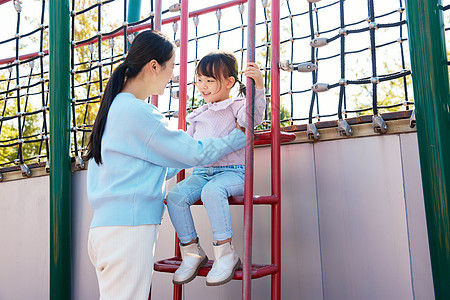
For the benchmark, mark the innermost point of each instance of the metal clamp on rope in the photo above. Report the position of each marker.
(1, 177)
(26, 172)
(378, 124)
(175, 26)
(175, 7)
(175, 94)
(130, 38)
(306, 67)
(319, 42)
(219, 14)
(312, 132)
(241, 8)
(344, 128)
(286, 65)
(47, 167)
(196, 20)
(412, 119)
(18, 5)
(373, 25)
(176, 79)
(343, 32)
(320, 87)
(79, 163)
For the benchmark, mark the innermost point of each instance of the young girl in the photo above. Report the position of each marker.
(216, 74)
(130, 149)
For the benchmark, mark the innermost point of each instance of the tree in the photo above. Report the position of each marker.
(86, 84)
(389, 93)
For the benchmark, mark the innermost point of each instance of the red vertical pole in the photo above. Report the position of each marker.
(183, 65)
(184, 18)
(154, 98)
(276, 148)
(157, 22)
(249, 145)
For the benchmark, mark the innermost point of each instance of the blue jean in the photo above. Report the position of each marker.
(213, 185)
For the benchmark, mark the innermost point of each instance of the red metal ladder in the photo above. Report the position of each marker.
(274, 137)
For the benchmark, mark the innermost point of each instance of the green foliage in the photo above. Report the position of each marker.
(9, 133)
(388, 93)
(85, 26)
(87, 84)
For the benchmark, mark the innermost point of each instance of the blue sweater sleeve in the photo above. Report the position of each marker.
(172, 172)
(176, 149)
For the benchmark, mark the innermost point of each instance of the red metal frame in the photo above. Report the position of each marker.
(184, 17)
(4, 1)
(276, 147)
(257, 271)
(273, 137)
(249, 156)
(21, 58)
(132, 29)
(157, 26)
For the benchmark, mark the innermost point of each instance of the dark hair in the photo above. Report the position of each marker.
(218, 65)
(146, 46)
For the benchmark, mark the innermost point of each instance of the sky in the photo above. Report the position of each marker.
(357, 65)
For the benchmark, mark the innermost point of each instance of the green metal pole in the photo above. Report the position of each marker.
(134, 11)
(432, 104)
(60, 176)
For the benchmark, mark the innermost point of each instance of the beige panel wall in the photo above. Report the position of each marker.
(24, 239)
(352, 218)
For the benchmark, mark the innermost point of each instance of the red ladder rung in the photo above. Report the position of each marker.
(170, 265)
(239, 200)
(264, 138)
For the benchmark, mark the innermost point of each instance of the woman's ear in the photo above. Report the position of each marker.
(152, 66)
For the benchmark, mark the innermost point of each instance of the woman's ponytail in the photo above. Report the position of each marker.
(146, 46)
(113, 87)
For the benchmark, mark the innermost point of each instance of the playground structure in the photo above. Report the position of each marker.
(306, 131)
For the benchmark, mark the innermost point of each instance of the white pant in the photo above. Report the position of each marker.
(123, 260)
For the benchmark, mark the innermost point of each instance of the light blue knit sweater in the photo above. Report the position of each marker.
(137, 147)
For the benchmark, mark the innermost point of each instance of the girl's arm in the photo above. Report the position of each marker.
(253, 72)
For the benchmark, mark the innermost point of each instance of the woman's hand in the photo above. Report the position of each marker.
(254, 73)
(239, 127)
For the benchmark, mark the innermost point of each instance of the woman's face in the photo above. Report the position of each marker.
(166, 74)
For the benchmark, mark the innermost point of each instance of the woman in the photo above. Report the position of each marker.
(130, 149)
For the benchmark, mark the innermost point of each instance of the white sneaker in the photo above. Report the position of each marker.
(193, 259)
(225, 264)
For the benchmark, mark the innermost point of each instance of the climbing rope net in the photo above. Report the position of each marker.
(340, 60)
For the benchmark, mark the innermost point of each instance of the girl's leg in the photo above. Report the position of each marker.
(215, 199)
(123, 260)
(179, 199)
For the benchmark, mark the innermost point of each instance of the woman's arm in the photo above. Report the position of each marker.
(172, 172)
(176, 149)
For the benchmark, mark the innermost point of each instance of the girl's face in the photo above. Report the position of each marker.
(214, 90)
